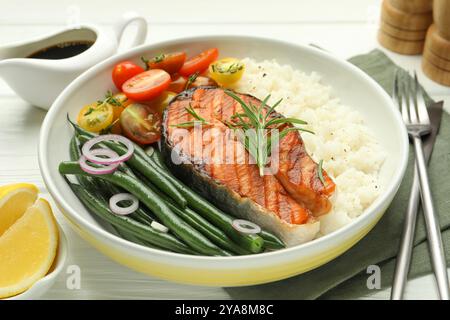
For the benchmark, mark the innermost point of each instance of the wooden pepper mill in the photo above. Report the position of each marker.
(404, 25)
(436, 54)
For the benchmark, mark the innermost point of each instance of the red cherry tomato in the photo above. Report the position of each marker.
(171, 62)
(141, 123)
(146, 85)
(202, 81)
(199, 63)
(124, 71)
(178, 84)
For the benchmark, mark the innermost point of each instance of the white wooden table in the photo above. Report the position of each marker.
(345, 27)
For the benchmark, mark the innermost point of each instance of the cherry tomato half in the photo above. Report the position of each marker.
(146, 85)
(118, 102)
(202, 81)
(180, 83)
(141, 123)
(159, 104)
(226, 71)
(199, 63)
(124, 71)
(95, 117)
(171, 62)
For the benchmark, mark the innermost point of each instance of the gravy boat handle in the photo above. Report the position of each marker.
(127, 19)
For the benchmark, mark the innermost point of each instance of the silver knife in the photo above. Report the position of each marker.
(407, 240)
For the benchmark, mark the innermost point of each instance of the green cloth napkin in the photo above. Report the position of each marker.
(345, 277)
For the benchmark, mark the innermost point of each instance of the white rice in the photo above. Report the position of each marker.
(351, 154)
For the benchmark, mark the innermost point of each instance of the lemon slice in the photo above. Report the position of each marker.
(14, 200)
(27, 249)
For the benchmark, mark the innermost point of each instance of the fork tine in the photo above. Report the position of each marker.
(421, 105)
(395, 85)
(412, 102)
(401, 97)
(395, 89)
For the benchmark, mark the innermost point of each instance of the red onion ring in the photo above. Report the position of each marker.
(246, 226)
(158, 226)
(101, 170)
(123, 210)
(88, 153)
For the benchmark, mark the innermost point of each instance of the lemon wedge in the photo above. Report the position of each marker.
(27, 249)
(14, 200)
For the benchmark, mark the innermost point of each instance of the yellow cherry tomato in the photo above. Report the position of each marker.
(160, 103)
(226, 71)
(118, 102)
(95, 117)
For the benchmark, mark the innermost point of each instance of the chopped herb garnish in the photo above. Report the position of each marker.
(145, 61)
(89, 111)
(198, 119)
(191, 80)
(159, 57)
(110, 99)
(320, 172)
(227, 68)
(262, 120)
(188, 124)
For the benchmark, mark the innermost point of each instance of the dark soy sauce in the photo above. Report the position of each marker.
(62, 50)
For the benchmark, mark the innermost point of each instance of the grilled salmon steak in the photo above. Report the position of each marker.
(211, 159)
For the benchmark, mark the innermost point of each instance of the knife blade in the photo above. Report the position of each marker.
(409, 227)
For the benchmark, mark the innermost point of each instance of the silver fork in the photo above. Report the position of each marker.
(410, 100)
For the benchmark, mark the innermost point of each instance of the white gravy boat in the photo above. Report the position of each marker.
(39, 81)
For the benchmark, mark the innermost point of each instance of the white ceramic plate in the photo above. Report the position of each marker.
(350, 84)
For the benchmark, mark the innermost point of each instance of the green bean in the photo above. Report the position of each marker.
(156, 156)
(126, 169)
(100, 186)
(139, 164)
(109, 189)
(253, 243)
(131, 237)
(192, 237)
(201, 224)
(209, 230)
(250, 242)
(100, 208)
(75, 154)
(271, 241)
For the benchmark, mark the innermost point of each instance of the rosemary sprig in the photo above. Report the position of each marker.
(109, 98)
(198, 119)
(259, 122)
(89, 111)
(320, 172)
(191, 80)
